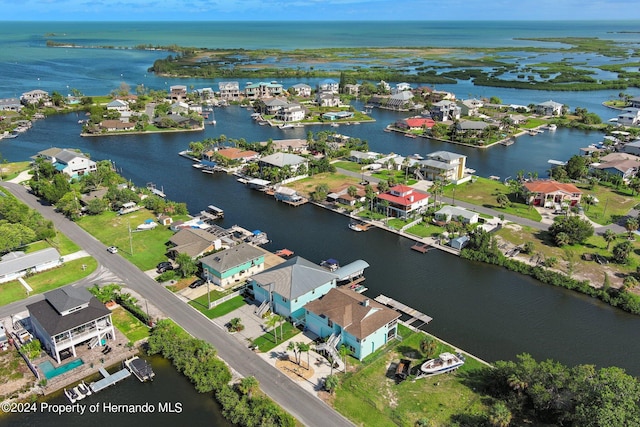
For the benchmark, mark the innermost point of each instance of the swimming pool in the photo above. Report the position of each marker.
(49, 371)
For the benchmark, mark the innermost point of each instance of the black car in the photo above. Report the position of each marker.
(164, 266)
(197, 283)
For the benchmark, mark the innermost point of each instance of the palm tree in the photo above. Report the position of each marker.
(248, 385)
(272, 322)
(631, 225)
(436, 189)
(502, 200)
(304, 347)
(609, 236)
(562, 239)
(293, 347)
(499, 415)
(344, 352)
(280, 321)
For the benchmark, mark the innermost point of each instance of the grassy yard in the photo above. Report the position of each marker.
(533, 123)
(226, 307)
(267, 342)
(60, 242)
(399, 176)
(335, 182)
(367, 214)
(129, 325)
(484, 192)
(612, 203)
(149, 247)
(425, 230)
(68, 273)
(369, 396)
(350, 166)
(11, 170)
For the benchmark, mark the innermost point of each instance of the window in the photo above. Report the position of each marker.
(329, 323)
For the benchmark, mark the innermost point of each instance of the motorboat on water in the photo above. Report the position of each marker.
(140, 368)
(355, 226)
(72, 395)
(446, 362)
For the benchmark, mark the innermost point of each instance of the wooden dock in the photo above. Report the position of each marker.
(109, 379)
(396, 305)
(421, 247)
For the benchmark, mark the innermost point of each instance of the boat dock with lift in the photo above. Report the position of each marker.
(212, 213)
(152, 187)
(411, 312)
(421, 247)
(140, 368)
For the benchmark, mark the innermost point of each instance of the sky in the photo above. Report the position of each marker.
(316, 10)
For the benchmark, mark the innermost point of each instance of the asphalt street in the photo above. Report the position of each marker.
(308, 409)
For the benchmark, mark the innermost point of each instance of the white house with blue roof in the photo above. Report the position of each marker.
(67, 161)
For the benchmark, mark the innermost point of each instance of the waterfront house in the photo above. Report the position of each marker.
(401, 87)
(204, 93)
(34, 97)
(178, 93)
(281, 160)
(415, 123)
(403, 201)
(337, 115)
(237, 155)
(444, 166)
(287, 287)
(293, 145)
(630, 117)
(70, 162)
(286, 194)
(634, 102)
(471, 107)
(445, 110)
(18, 264)
(116, 125)
(194, 242)
(549, 108)
(329, 85)
(291, 113)
(229, 90)
(632, 147)
(270, 106)
(118, 105)
(459, 242)
(179, 108)
(400, 101)
(68, 317)
(448, 213)
(360, 157)
(10, 104)
(351, 319)
(352, 89)
(301, 89)
(549, 193)
(262, 90)
(622, 164)
(228, 267)
(328, 99)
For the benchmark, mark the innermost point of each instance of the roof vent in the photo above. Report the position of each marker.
(365, 302)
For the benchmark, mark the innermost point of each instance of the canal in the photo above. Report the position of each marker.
(486, 310)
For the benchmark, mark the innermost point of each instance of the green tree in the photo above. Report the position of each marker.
(295, 349)
(352, 191)
(344, 352)
(186, 265)
(577, 229)
(248, 385)
(320, 193)
(105, 293)
(621, 252)
(562, 239)
(577, 167)
(428, 346)
(609, 236)
(272, 322)
(631, 225)
(331, 382)
(304, 347)
(499, 415)
(502, 200)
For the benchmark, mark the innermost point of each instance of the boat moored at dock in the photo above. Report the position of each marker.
(140, 368)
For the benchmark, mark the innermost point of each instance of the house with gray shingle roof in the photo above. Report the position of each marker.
(281, 160)
(287, 287)
(353, 320)
(17, 264)
(68, 317)
(193, 242)
(233, 265)
(67, 161)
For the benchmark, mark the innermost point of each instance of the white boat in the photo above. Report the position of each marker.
(71, 395)
(446, 362)
(79, 393)
(140, 368)
(286, 126)
(552, 127)
(355, 227)
(84, 389)
(334, 125)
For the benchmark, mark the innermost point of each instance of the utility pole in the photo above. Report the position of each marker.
(130, 237)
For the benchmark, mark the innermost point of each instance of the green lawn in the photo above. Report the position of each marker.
(267, 342)
(533, 123)
(397, 223)
(149, 247)
(612, 203)
(398, 175)
(129, 325)
(370, 214)
(425, 230)
(350, 166)
(484, 192)
(226, 307)
(60, 242)
(370, 397)
(68, 273)
(11, 170)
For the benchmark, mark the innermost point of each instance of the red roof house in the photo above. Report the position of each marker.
(403, 200)
(548, 193)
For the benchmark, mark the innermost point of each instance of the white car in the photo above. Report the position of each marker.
(112, 249)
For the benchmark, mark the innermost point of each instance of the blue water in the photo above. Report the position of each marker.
(49, 371)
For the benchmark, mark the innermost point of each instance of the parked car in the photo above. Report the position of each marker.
(197, 283)
(164, 266)
(112, 249)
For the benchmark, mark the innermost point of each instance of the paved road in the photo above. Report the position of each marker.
(310, 410)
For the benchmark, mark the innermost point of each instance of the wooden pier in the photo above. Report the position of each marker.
(421, 247)
(152, 187)
(398, 306)
(109, 379)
